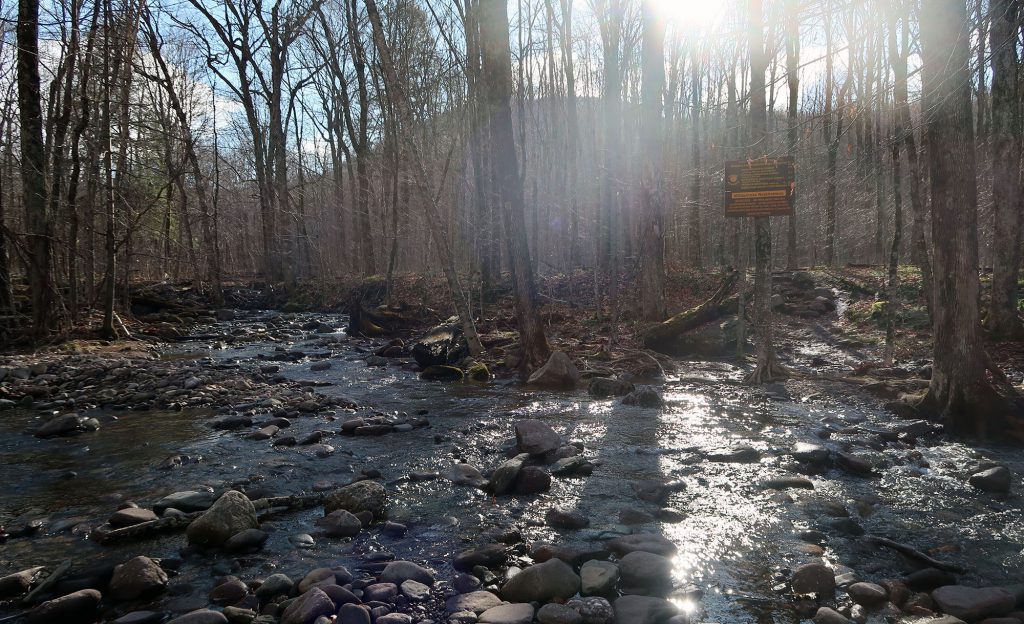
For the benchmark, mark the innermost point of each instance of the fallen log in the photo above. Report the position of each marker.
(274, 504)
(48, 582)
(917, 555)
(660, 336)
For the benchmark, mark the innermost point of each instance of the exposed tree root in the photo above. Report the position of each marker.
(768, 371)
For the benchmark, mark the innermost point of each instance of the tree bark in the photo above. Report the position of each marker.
(38, 225)
(959, 392)
(768, 367)
(497, 72)
(1006, 129)
(793, 135)
(652, 236)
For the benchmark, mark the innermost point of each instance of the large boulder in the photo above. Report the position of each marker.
(476, 602)
(995, 480)
(559, 373)
(66, 425)
(360, 496)
(137, 578)
(18, 583)
(814, 578)
(644, 572)
(519, 613)
(645, 542)
(339, 523)
(972, 603)
(543, 582)
(202, 616)
(397, 572)
(232, 513)
(442, 345)
(536, 438)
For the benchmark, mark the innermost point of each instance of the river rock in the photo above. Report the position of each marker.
(594, 610)
(598, 578)
(16, 584)
(353, 614)
(475, 602)
(644, 397)
(75, 608)
(393, 618)
(645, 572)
(231, 514)
(339, 523)
(381, 592)
(603, 387)
(736, 455)
(542, 582)
(465, 474)
(504, 476)
(536, 438)
(488, 556)
(826, 615)
(867, 594)
(202, 616)
(558, 373)
(131, 516)
(810, 453)
(642, 610)
(397, 572)
(317, 578)
(646, 542)
(275, 585)
(141, 617)
(414, 592)
(442, 345)
(994, 480)
(185, 501)
(928, 579)
(65, 425)
(230, 592)
(360, 496)
(855, 464)
(971, 603)
(246, 541)
(814, 578)
(532, 480)
(566, 519)
(558, 614)
(508, 614)
(308, 607)
(140, 577)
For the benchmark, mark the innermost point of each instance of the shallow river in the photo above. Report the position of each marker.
(736, 543)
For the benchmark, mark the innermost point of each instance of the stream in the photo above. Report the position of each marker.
(738, 539)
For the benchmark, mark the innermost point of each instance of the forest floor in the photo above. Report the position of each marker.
(716, 502)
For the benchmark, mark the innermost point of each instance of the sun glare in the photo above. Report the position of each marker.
(691, 13)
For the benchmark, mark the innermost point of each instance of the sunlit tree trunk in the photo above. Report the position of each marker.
(497, 73)
(793, 135)
(959, 392)
(652, 235)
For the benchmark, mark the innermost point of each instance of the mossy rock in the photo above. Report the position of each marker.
(478, 373)
(441, 373)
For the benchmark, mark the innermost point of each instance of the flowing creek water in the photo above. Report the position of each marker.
(737, 540)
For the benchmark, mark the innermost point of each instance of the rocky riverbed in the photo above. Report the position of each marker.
(276, 470)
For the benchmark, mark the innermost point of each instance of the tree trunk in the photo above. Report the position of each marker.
(652, 238)
(33, 175)
(959, 391)
(1006, 128)
(793, 136)
(767, 368)
(497, 72)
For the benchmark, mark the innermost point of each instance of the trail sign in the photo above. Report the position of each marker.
(764, 187)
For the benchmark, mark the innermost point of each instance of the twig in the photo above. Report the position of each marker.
(913, 553)
(47, 583)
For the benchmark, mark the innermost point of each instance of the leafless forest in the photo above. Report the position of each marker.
(145, 140)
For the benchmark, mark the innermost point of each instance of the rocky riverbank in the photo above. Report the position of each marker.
(309, 478)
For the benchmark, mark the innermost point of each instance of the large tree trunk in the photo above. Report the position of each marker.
(497, 72)
(652, 235)
(767, 368)
(959, 393)
(33, 175)
(1006, 127)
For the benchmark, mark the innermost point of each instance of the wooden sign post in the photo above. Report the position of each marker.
(765, 187)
